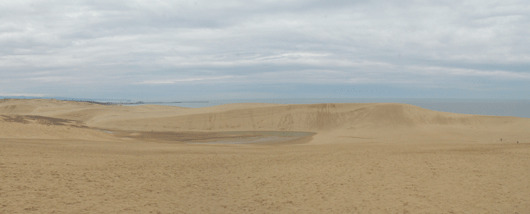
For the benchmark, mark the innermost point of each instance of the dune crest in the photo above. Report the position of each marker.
(333, 123)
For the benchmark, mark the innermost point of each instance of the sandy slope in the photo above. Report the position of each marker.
(364, 158)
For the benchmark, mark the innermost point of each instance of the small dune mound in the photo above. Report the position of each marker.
(83, 114)
(17, 109)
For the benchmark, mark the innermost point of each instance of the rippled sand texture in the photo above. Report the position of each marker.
(68, 157)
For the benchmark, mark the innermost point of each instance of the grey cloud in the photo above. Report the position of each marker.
(167, 41)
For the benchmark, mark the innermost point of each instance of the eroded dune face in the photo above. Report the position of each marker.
(73, 157)
(317, 117)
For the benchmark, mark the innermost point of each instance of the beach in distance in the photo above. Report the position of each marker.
(78, 157)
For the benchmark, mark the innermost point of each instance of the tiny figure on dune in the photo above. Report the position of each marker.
(517, 142)
(501, 139)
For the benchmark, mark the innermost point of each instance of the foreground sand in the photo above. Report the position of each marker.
(364, 158)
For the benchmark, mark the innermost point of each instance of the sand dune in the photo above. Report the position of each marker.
(73, 157)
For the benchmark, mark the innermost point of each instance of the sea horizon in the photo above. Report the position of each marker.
(490, 107)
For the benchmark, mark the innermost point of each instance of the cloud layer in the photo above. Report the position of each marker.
(97, 48)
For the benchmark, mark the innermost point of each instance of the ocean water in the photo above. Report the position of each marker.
(515, 108)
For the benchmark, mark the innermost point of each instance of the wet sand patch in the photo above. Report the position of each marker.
(263, 137)
(237, 137)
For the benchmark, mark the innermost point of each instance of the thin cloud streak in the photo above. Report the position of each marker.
(22, 95)
(173, 81)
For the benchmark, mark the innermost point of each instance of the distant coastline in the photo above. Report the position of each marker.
(491, 107)
(110, 101)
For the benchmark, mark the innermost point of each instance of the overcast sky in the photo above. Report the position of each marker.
(175, 50)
